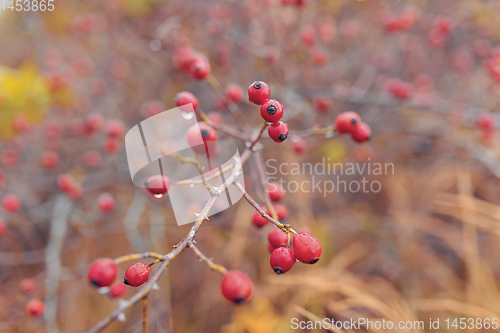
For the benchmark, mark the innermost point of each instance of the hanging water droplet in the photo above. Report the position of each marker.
(158, 196)
(191, 185)
(103, 290)
(156, 286)
(122, 317)
(329, 134)
(187, 115)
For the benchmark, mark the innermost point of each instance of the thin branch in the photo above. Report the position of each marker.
(144, 303)
(211, 264)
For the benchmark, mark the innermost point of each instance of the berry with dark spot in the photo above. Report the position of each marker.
(271, 111)
(361, 133)
(259, 92)
(102, 272)
(306, 247)
(137, 274)
(236, 287)
(278, 131)
(346, 122)
(282, 260)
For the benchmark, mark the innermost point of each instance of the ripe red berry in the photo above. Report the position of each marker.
(308, 35)
(306, 247)
(137, 274)
(277, 238)
(236, 287)
(118, 290)
(258, 220)
(278, 131)
(35, 308)
(106, 202)
(92, 158)
(234, 93)
(152, 108)
(184, 98)
(102, 272)
(346, 122)
(200, 67)
(485, 121)
(111, 145)
(270, 248)
(94, 122)
(321, 104)
(11, 203)
(28, 286)
(158, 185)
(275, 191)
(281, 211)
(271, 111)
(215, 118)
(361, 133)
(3, 227)
(282, 260)
(258, 92)
(399, 89)
(50, 159)
(299, 145)
(202, 138)
(115, 128)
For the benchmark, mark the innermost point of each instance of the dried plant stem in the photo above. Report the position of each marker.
(144, 303)
(209, 261)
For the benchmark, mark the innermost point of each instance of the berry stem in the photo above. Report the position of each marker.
(209, 261)
(285, 227)
(138, 256)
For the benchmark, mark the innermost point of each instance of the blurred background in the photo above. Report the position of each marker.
(425, 76)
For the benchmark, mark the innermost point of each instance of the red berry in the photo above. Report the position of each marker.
(282, 260)
(321, 104)
(102, 272)
(485, 121)
(3, 227)
(215, 118)
(21, 123)
(361, 133)
(271, 111)
(234, 93)
(200, 67)
(92, 158)
(278, 131)
(106, 203)
(111, 145)
(28, 286)
(94, 122)
(118, 290)
(399, 89)
(137, 274)
(202, 138)
(236, 287)
(281, 211)
(115, 128)
(258, 220)
(158, 185)
(299, 145)
(258, 92)
(308, 35)
(50, 159)
(184, 98)
(35, 308)
(275, 191)
(182, 58)
(152, 108)
(346, 122)
(306, 247)
(11, 203)
(277, 237)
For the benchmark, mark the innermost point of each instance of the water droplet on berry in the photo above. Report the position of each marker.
(158, 196)
(187, 115)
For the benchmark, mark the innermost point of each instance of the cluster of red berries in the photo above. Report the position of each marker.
(399, 88)
(192, 63)
(442, 28)
(35, 307)
(402, 22)
(270, 109)
(306, 249)
(103, 271)
(350, 123)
